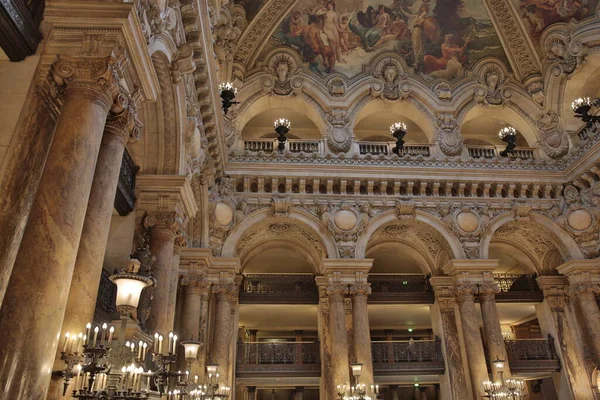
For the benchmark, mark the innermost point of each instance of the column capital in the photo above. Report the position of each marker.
(333, 290)
(466, 292)
(93, 77)
(346, 270)
(360, 289)
(475, 270)
(122, 122)
(583, 275)
(170, 223)
(166, 193)
(229, 290)
(445, 291)
(553, 287)
(197, 284)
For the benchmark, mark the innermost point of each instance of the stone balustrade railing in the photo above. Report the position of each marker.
(480, 151)
(278, 353)
(292, 145)
(385, 148)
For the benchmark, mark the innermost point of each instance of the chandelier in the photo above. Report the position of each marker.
(358, 391)
(508, 134)
(583, 106)
(227, 93)
(282, 127)
(513, 389)
(398, 131)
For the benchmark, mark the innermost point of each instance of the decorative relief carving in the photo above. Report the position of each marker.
(283, 69)
(554, 141)
(557, 52)
(447, 135)
(493, 91)
(390, 72)
(345, 222)
(443, 91)
(339, 132)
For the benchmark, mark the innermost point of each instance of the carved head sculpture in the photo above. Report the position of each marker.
(282, 71)
(491, 80)
(390, 73)
(558, 49)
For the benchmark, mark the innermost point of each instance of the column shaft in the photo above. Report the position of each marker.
(493, 332)
(453, 357)
(223, 337)
(361, 331)
(474, 348)
(33, 308)
(203, 332)
(590, 315)
(174, 282)
(340, 372)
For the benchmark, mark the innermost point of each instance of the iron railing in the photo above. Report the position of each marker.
(518, 287)
(279, 288)
(407, 357)
(526, 355)
(278, 353)
(409, 289)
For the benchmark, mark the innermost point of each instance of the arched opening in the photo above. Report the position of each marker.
(481, 125)
(585, 83)
(261, 125)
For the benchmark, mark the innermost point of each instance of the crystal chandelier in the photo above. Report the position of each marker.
(513, 389)
(227, 93)
(508, 134)
(398, 131)
(583, 106)
(358, 391)
(282, 127)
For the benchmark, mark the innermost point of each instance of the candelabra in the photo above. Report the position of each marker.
(504, 389)
(508, 134)
(358, 391)
(228, 93)
(398, 131)
(583, 106)
(282, 127)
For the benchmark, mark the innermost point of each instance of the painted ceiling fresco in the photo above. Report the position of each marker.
(438, 38)
(252, 7)
(537, 15)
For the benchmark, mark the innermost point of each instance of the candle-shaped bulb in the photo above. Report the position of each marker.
(64, 349)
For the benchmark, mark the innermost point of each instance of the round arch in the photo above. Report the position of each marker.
(403, 109)
(565, 244)
(509, 116)
(301, 218)
(584, 83)
(456, 250)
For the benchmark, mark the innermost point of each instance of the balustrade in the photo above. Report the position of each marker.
(305, 146)
(407, 357)
(409, 289)
(377, 148)
(517, 287)
(279, 288)
(279, 358)
(257, 145)
(525, 355)
(482, 151)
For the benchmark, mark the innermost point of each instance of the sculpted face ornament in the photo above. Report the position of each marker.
(282, 72)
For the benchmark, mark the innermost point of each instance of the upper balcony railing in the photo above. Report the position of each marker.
(381, 148)
(407, 357)
(532, 355)
(279, 289)
(255, 359)
(518, 288)
(407, 289)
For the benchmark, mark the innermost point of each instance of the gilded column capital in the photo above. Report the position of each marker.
(360, 289)
(93, 77)
(336, 290)
(122, 122)
(170, 223)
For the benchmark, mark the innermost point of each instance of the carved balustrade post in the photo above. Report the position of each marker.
(122, 125)
(557, 318)
(474, 348)
(225, 296)
(361, 330)
(36, 297)
(457, 385)
(584, 285)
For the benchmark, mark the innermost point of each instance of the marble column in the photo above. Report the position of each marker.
(389, 338)
(253, 333)
(203, 329)
(299, 392)
(223, 337)
(298, 353)
(361, 330)
(179, 243)
(340, 368)
(458, 387)
(493, 331)
(81, 304)
(164, 227)
(191, 313)
(470, 327)
(251, 392)
(36, 297)
(556, 318)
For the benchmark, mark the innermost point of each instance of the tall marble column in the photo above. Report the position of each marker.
(36, 297)
(389, 337)
(470, 327)
(458, 382)
(361, 330)
(120, 127)
(203, 329)
(225, 293)
(164, 227)
(584, 285)
(340, 367)
(557, 319)
(180, 242)
(491, 326)
(192, 287)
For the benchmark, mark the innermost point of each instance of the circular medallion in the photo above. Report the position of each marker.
(223, 214)
(579, 220)
(345, 220)
(467, 221)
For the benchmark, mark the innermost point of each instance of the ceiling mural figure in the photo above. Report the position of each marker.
(438, 39)
(540, 14)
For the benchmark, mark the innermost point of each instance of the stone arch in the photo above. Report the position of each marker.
(509, 116)
(540, 239)
(304, 230)
(264, 103)
(585, 82)
(403, 109)
(421, 228)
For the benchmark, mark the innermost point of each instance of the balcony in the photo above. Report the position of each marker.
(279, 289)
(480, 151)
(532, 356)
(385, 148)
(517, 288)
(421, 357)
(400, 289)
(292, 145)
(282, 359)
